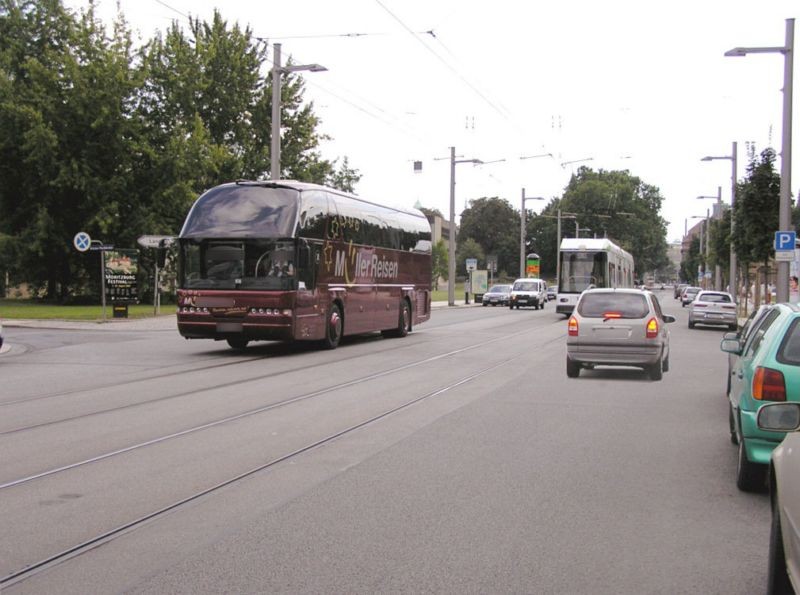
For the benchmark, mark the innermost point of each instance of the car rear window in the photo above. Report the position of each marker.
(617, 305)
(720, 298)
(789, 352)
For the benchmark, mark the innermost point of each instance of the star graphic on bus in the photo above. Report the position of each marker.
(328, 251)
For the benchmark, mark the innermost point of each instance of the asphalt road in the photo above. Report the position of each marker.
(459, 459)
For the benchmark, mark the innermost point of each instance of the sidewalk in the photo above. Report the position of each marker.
(164, 322)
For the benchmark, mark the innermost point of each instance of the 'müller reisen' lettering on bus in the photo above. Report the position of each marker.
(366, 265)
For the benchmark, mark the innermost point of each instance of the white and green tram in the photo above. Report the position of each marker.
(585, 263)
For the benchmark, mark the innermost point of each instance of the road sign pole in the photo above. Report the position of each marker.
(103, 281)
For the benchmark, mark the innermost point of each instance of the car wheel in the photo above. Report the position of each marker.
(691, 324)
(485, 304)
(334, 325)
(777, 575)
(238, 344)
(750, 477)
(573, 368)
(656, 371)
(666, 363)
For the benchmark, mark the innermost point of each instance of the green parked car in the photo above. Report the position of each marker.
(766, 369)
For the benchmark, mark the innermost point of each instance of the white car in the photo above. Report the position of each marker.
(716, 308)
(784, 541)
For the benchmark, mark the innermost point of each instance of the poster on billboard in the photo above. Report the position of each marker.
(121, 268)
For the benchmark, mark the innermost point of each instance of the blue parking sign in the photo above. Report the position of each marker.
(785, 240)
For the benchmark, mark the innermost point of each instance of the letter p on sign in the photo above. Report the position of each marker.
(785, 240)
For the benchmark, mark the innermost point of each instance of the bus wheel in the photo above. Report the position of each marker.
(333, 328)
(238, 344)
(403, 322)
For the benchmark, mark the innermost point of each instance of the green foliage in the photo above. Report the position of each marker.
(440, 262)
(756, 210)
(468, 248)
(611, 204)
(494, 225)
(95, 136)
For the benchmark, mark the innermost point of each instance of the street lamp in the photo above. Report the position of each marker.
(732, 281)
(703, 236)
(451, 261)
(717, 215)
(277, 71)
(784, 208)
(522, 231)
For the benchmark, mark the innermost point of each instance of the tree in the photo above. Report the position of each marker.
(619, 206)
(117, 143)
(467, 248)
(66, 139)
(756, 212)
(494, 225)
(440, 267)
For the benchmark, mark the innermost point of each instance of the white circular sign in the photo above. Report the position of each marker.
(82, 241)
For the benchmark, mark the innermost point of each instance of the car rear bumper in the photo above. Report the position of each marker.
(639, 355)
(759, 444)
(716, 318)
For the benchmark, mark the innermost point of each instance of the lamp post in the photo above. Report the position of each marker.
(277, 71)
(703, 243)
(522, 232)
(732, 280)
(558, 217)
(784, 208)
(717, 215)
(451, 261)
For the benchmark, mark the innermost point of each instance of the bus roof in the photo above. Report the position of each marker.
(303, 186)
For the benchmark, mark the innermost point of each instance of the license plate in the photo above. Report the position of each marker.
(229, 327)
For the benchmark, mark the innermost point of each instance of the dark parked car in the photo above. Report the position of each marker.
(551, 292)
(498, 295)
(618, 327)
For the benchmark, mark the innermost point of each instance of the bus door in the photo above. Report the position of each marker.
(310, 307)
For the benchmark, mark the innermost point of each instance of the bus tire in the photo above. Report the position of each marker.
(334, 326)
(403, 322)
(238, 344)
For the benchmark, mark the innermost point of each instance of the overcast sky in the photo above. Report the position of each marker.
(634, 85)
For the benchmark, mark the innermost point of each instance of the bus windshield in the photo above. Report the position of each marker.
(238, 264)
(580, 270)
(243, 212)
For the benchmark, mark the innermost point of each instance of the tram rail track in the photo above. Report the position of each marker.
(248, 413)
(162, 398)
(32, 569)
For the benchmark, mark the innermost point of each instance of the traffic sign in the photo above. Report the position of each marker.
(82, 241)
(785, 240)
(101, 247)
(472, 264)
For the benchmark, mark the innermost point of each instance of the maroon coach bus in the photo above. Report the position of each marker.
(290, 261)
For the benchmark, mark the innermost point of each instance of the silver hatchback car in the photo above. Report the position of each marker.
(618, 327)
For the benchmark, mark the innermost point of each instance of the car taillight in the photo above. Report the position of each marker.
(572, 327)
(607, 315)
(652, 329)
(768, 385)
